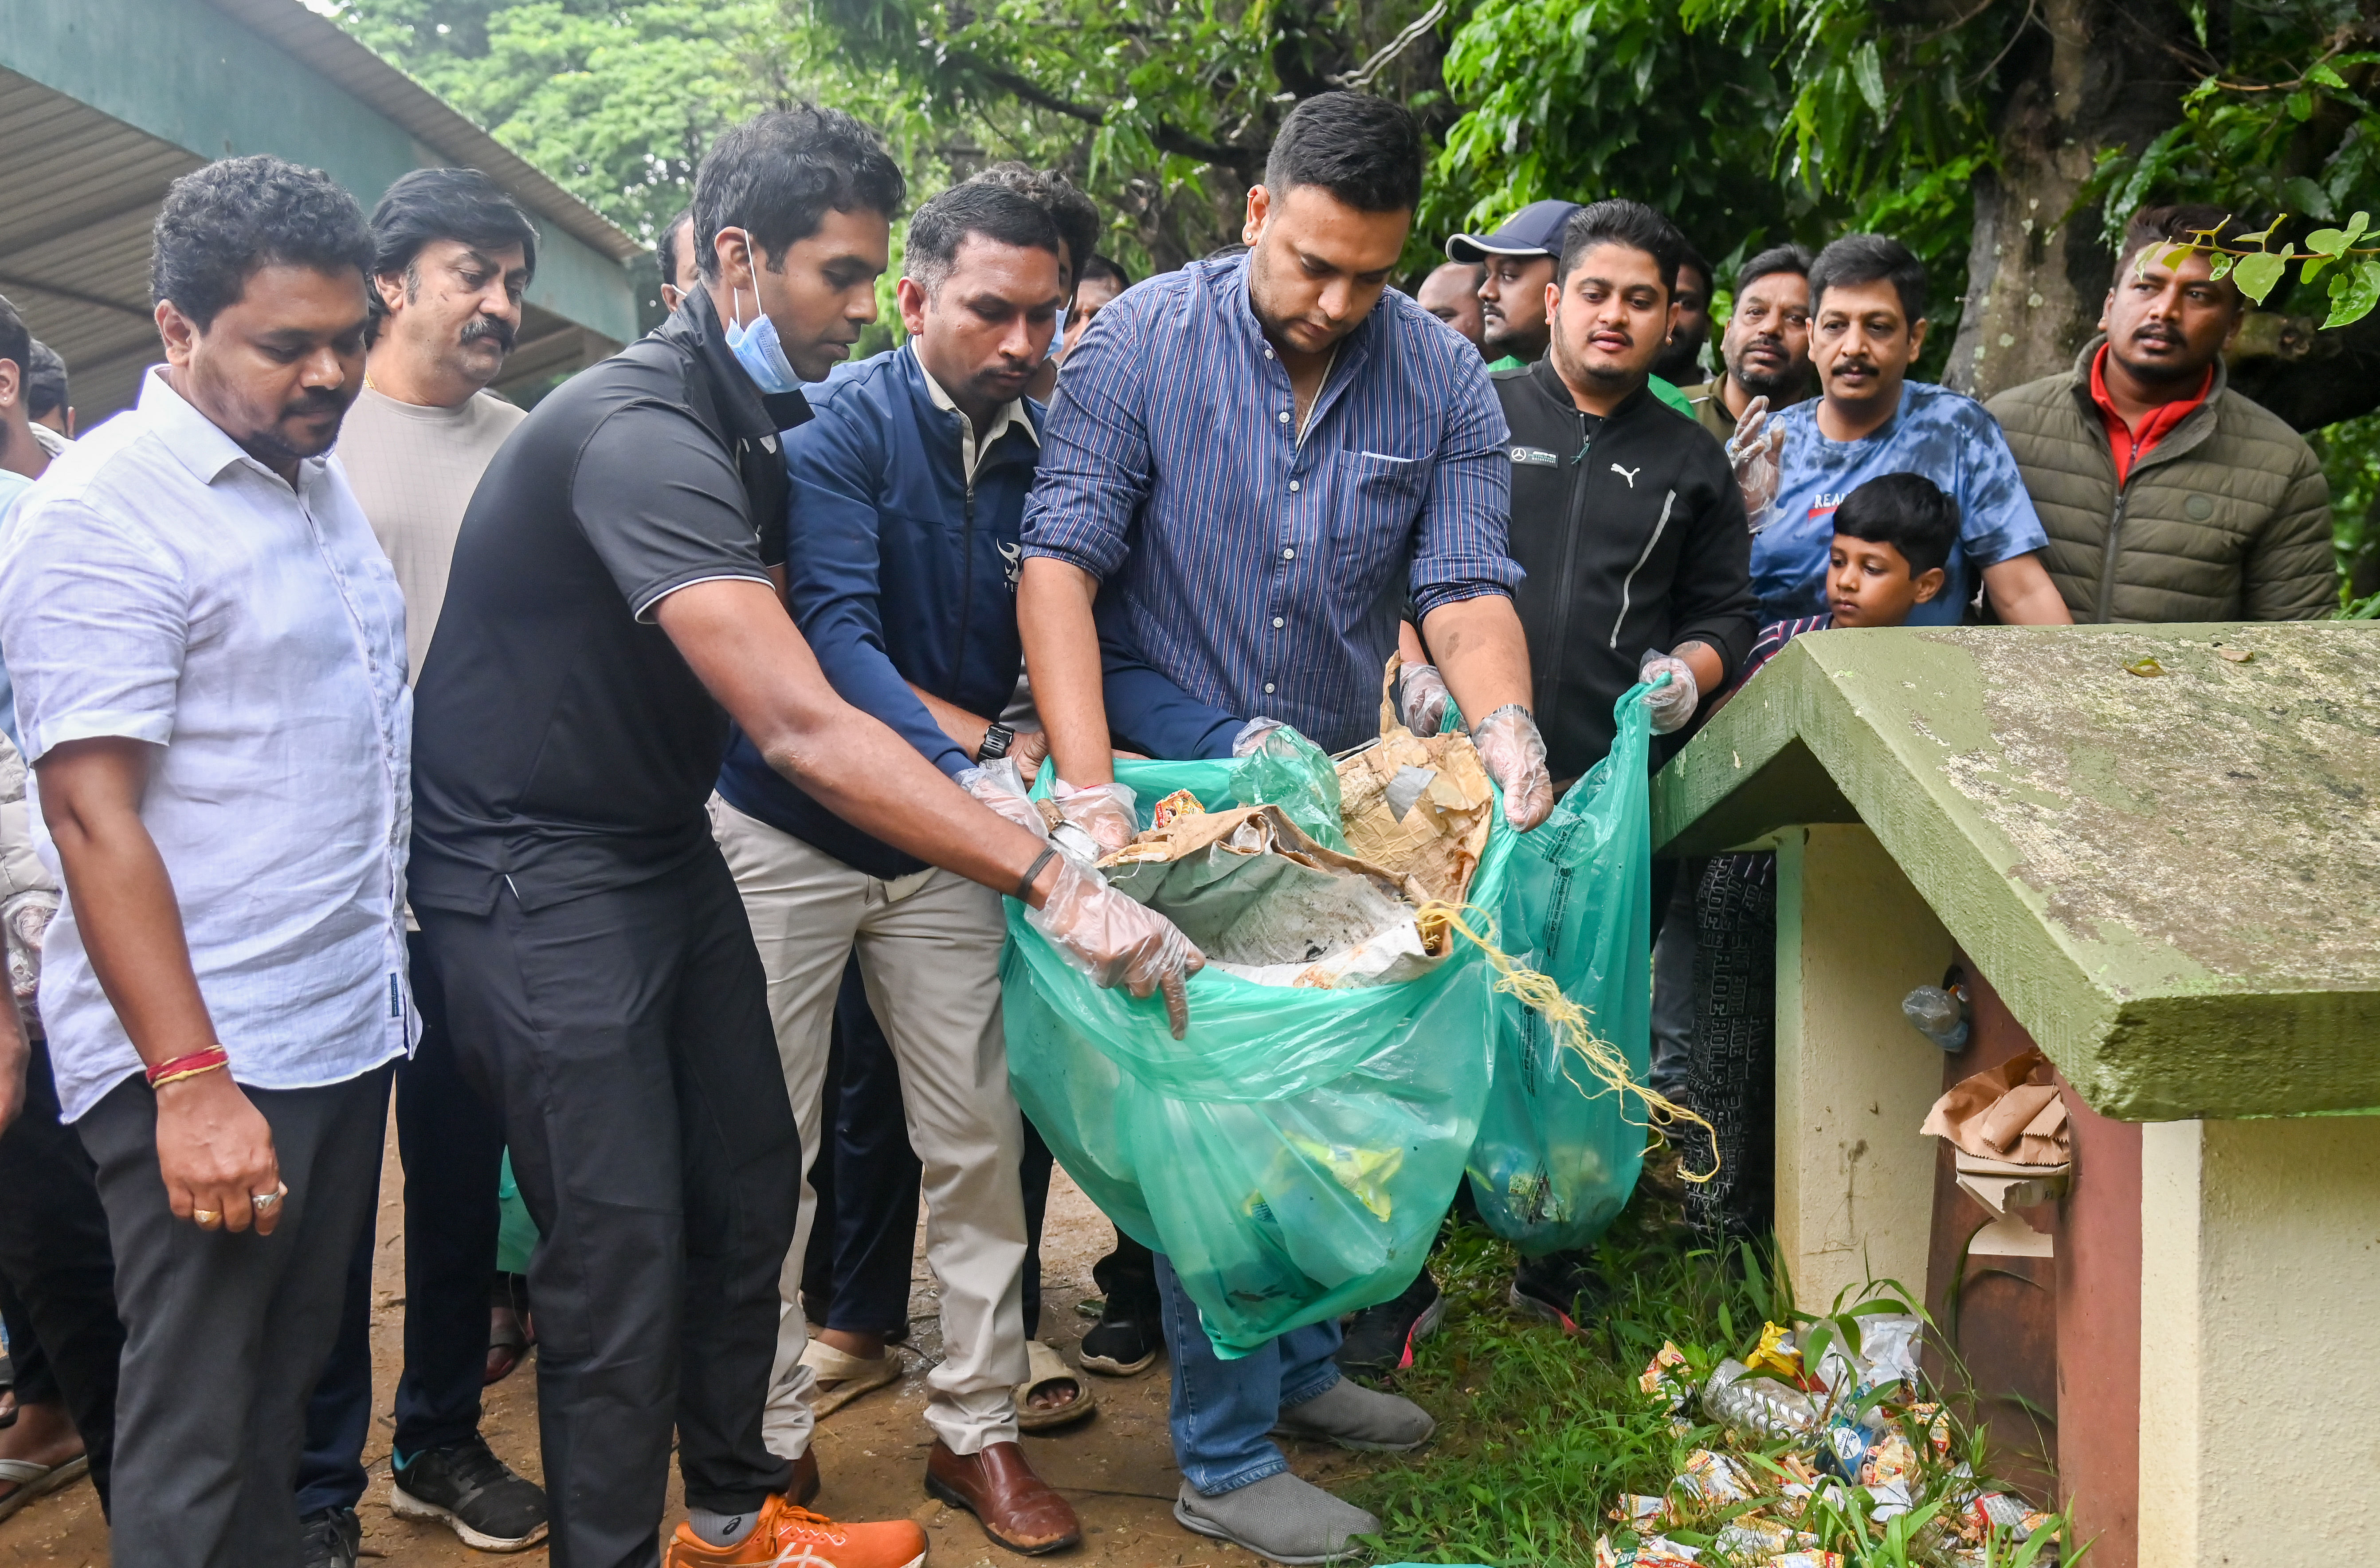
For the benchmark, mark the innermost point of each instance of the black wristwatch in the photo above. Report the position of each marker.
(997, 739)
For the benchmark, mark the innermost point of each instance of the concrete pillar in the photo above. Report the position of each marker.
(2260, 1374)
(1854, 1179)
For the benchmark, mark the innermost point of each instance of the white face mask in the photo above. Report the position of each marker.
(754, 343)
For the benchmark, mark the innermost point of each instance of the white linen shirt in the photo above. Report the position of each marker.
(161, 584)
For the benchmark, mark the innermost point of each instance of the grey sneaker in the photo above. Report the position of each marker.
(331, 1538)
(1282, 1518)
(1351, 1415)
(472, 1493)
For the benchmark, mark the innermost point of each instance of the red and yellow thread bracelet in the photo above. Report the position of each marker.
(175, 1069)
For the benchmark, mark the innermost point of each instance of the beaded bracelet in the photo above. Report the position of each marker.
(175, 1070)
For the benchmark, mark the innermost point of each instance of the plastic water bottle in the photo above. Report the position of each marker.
(1940, 1015)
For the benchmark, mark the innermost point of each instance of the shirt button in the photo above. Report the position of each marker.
(1293, 487)
(1267, 353)
(1277, 620)
(1267, 688)
(1289, 554)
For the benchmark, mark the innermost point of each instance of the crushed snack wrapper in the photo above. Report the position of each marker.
(1650, 1551)
(1640, 1511)
(1712, 1478)
(1931, 1419)
(1752, 1536)
(1777, 1356)
(1805, 1559)
(1175, 807)
(1667, 1377)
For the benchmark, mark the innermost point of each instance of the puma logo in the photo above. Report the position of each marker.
(1015, 556)
(1628, 474)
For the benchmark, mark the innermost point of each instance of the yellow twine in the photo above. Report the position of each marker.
(1540, 994)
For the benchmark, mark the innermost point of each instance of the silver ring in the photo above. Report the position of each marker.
(267, 1200)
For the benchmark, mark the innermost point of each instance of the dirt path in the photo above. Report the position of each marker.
(1116, 1467)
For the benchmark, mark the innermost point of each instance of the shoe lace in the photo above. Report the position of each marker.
(475, 1465)
(794, 1521)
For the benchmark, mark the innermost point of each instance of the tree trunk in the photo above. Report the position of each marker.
(2085, 75)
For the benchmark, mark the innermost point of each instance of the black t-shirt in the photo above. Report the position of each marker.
(561, 744)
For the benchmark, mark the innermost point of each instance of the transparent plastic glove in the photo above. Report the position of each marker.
(1104, 811)
(27, 919)
(1753, 452)
(1515, 754)
(1422, 697)
(1001, 785)
(1118, 942)
(1252, 735)
(1672, 705)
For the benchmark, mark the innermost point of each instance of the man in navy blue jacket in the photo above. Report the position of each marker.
(908, 495)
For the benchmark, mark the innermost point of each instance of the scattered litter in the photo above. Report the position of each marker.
(1777, 1356)
(1939, 1015)
(1667, 1377)
(1712, 1478)
(1758, 1403)
(1651, 1552)
(1176, 807)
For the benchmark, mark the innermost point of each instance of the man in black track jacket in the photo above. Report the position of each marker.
(1625, 515)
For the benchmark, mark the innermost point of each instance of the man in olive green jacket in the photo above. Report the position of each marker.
(2166, 496)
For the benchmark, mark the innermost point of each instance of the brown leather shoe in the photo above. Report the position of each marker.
(1019, 1510)
(804, 1487)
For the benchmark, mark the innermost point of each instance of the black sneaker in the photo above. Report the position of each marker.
(1381, 1338)
(472, 1493)
(1121, 1345)
(1560, 1287)
(331, 1538)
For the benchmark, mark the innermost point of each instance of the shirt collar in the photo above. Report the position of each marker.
(1013, 412)
(749, 413)
(198, 443)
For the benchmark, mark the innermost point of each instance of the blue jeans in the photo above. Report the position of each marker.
(1223, 1411)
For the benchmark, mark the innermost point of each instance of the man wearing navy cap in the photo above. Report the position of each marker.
(1519, 261)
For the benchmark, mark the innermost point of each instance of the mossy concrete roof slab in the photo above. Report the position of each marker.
(2174, 879)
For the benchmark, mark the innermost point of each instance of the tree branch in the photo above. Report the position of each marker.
(1167, 137)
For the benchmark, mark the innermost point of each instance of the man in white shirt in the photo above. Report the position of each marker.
(452, 257)
(209, 649)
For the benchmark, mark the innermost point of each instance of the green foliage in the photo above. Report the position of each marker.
(2351, 459)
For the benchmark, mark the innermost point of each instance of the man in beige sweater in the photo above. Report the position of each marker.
(454, 256)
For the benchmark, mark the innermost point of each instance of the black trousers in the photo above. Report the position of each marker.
(1731, 1061)
(63, 1334)
(225, 1334)
(453, 1144)
(626, 1036)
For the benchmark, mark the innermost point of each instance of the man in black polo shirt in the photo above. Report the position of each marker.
(613, 592)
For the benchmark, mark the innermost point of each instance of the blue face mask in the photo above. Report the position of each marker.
(754, 345)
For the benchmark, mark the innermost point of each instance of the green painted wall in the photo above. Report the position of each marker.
(187, 74)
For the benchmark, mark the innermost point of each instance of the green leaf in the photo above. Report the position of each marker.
(2327, 241)
(2223, 264)
(2326, 77)
(2353, 294)
(1867, 69)
(2256, 274)
(2358, 226)
(2300, 104)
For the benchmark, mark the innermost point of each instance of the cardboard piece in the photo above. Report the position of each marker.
(2009, 1114)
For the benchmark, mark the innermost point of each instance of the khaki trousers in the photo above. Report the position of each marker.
(929, 948)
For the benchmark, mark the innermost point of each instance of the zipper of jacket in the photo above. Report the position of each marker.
(1628, 583)
(967, 568)
(2112, 549)
(1572, 524)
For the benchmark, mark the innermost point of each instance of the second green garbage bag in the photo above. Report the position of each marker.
(1294, 1156)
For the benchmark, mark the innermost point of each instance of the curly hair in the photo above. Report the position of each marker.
(221, 223)
(1076, 215)
(775, 175)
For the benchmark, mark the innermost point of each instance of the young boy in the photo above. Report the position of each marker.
(1893, 539)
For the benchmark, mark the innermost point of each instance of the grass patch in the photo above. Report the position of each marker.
(1539, 1431)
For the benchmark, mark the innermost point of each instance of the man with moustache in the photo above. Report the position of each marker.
(452, 258)
(1765, 349)
(1867, 326)
(908, 488)
(1681, 361)
(209, 652)
(1516, 262)
(2167, 496)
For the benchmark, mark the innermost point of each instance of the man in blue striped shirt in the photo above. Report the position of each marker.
(1259, 459)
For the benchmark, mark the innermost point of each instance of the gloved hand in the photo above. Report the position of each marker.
(1103, 812)
(1672, 706)
(1001, 785)
(1515, 754)
(1753, 452)
(1422, 697)
(1252, 735)
(1118, 942)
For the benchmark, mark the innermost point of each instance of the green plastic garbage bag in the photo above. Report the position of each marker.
(1558, 1148)
(1295, 1155)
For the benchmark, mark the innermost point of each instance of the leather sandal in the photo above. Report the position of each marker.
(1044, 1366)
(1018, 1509)
(841, 1376)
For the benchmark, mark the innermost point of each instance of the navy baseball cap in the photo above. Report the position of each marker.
(1534, 230)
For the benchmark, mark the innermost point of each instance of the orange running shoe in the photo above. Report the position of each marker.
(790, 1536)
